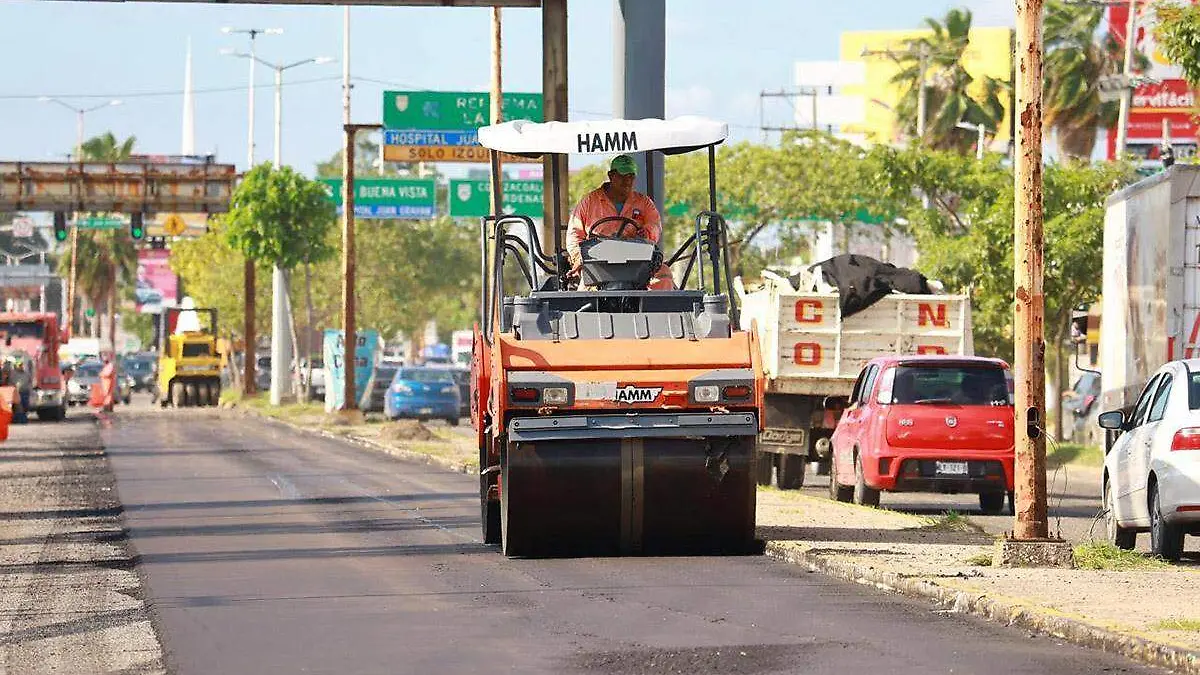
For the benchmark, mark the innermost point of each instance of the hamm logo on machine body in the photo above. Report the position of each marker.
(632, 394)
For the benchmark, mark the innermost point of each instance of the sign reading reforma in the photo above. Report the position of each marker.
(453, 110)
(388, 197)
(473, 198)
(335, 365)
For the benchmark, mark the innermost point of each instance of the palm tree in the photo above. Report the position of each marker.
(1075, 62)
(104, 259)
(950, 95)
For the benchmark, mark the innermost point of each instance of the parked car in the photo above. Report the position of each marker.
(1079, 402)
(926, 424)
(423, 393)
(462, 377)
(141, 370)
(1151, 479)
(316, 390)
(376, 400)
(262, 373)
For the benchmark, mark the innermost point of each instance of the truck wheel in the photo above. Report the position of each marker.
(190, 394)
(177, 398)
(863, 495)
(837, 491)
(791, 471)
(764, 463)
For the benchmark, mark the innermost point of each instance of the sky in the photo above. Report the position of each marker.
(720, 55)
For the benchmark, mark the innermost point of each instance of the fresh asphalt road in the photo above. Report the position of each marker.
(267, 551)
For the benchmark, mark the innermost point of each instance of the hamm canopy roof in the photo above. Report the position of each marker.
(607, 137)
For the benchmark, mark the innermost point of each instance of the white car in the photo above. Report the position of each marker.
(1152, 471)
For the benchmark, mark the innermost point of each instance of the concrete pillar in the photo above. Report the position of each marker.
(640, 73)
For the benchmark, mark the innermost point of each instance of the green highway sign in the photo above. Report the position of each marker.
(388, 197)
(100, 223)
(453, 110)
(473, 198)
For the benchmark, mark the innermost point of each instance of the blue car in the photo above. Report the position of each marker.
(423, 393)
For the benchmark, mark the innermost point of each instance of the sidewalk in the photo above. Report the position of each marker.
(1135, 606)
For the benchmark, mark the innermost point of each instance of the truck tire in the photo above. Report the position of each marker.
(837, 491)
(791, 471)
(863, 495)
(190, 395)
(177, 398)
(764, 463)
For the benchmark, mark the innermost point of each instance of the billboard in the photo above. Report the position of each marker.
(1168, 99)
(157, 285)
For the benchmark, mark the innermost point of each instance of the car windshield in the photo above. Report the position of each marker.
(426, 375)
(950, 384)
(137, 366)
(22, 329)
(88, 370)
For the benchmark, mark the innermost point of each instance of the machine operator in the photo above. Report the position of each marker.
(617, 198)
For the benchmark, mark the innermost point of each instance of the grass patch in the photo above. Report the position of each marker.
(953, 521)
(1105, 556)
(981, 560)
(1178, 624)
(1074, 453)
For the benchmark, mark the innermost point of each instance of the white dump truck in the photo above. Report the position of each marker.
(812, 357)
(1150, 306)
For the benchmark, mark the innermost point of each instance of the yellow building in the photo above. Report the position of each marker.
(989, 53)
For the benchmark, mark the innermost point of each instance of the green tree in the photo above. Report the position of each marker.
(280, 217)
(1076, 59)
(1178, 35)
(951, 93)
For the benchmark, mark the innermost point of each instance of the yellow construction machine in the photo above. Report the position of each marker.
(189, 367)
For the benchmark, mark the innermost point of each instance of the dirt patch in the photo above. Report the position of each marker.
(406, 431)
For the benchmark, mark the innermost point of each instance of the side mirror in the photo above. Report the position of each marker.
(1113, 420)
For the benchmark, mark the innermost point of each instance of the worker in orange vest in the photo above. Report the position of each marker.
(104, 391)
(617, 198)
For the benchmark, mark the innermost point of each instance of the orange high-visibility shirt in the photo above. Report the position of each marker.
(596, 205)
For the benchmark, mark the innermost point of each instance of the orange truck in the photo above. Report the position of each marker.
(612, 419)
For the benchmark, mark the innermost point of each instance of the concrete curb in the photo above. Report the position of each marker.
(1005, 611)
(411, 455)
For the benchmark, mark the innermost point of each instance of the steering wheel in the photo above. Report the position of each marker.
(591, 231)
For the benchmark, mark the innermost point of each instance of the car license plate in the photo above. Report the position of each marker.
(425, 411)
(952, 468)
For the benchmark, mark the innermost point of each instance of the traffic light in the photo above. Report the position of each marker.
(136, 229)
(60, 226)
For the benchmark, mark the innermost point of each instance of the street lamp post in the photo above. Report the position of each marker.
(248, 386)
(281, 347)
(979, 129)
(69, 308)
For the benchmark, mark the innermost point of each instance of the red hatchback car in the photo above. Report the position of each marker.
(927, 424)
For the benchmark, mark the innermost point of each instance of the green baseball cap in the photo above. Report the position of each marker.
(624, 165)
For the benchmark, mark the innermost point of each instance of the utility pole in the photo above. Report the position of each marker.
(248, 281)
(497, 110)
(922, 66)
(1127, 70)
(1029, 366)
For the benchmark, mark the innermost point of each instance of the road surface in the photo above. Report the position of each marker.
(268, 551)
